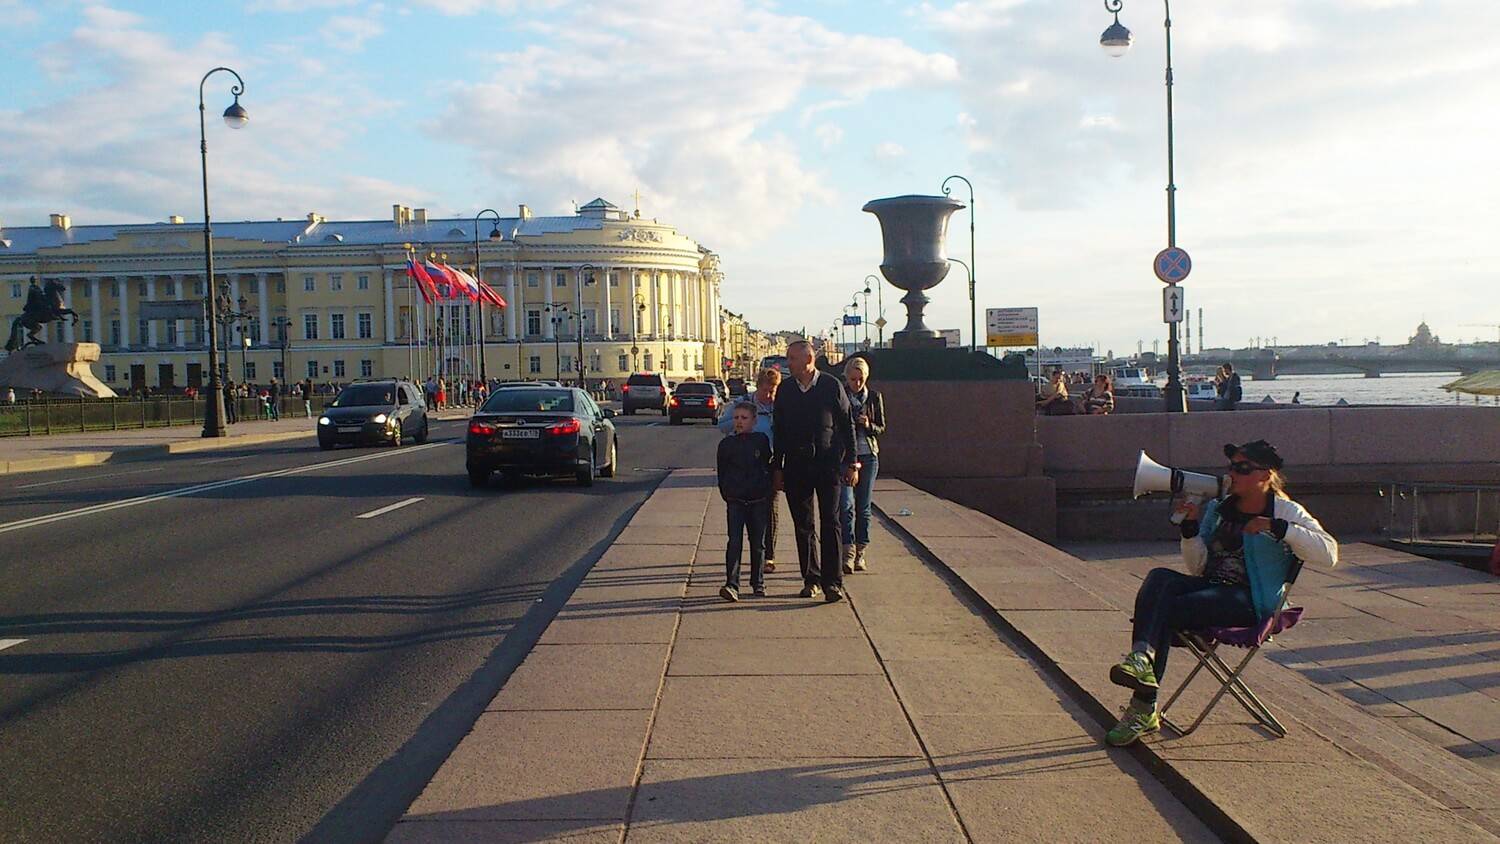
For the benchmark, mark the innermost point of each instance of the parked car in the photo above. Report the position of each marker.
(542, 431)
(721, 386)
(379, 412)
(695, 400)
(645, 391)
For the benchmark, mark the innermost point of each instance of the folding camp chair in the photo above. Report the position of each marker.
(1204, 644)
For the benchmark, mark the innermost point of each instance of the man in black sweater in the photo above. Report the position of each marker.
(814, 440)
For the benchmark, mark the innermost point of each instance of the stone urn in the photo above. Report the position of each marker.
(915, 231)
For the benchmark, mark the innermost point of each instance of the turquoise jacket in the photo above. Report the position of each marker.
(1268, 560)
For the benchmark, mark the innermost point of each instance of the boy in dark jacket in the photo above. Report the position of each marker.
(744, 464)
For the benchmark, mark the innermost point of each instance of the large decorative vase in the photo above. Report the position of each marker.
(915, 231)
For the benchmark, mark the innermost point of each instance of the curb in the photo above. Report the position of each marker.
(62, 461)
(95, 458)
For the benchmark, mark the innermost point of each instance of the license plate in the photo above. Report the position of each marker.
(520, 434)
(353, 429)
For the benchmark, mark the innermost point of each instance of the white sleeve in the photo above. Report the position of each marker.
(1306, 537)
(1195, 555)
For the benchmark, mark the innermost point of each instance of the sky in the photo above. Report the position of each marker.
(1336, 160)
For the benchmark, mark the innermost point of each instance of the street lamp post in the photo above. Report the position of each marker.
(874, 281)
(282, 324)
(635, 336)
(235, 117)
(865, 320)
(559, 318)
(495, 236)
(973, 307)
(1116, 41)
(229, 320)
(970, 272)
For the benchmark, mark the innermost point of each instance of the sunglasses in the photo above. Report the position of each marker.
(1244, 467)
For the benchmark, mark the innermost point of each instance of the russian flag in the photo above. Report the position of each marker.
(424, 281)
(442, 279)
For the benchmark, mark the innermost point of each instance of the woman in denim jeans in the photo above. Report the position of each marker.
(868, 410)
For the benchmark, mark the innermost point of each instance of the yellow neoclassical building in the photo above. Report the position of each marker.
(331, 300)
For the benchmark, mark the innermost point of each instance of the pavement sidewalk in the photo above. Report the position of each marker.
(63, 451)
(1345, 771)
(651, 709)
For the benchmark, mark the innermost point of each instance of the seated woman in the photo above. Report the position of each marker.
(1239, 549)
(1052, 399)
(1100, 398)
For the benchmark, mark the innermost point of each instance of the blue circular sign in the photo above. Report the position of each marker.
(1172, 265)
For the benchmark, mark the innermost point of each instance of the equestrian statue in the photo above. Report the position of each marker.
(42, 306)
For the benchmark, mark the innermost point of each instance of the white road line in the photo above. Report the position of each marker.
(38, 521)
(88, 478)
(9, 643)
(388, 508)
(227, 459)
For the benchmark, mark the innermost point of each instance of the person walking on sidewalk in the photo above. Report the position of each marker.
(307, 391)
(764, 400)
(275, 404)
(1239, 550)
(744, 464)
(867, 409)
(814, 454)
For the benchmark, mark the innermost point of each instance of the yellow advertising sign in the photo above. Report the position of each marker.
(1014, 339)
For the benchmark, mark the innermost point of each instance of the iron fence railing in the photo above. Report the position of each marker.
(1429, 512)
(63, 416)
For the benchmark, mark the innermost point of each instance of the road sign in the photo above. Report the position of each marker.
(880, 323)
(851, 319)
(952, 338)
(1010, 326)
(1172, 264)
(188, 309)
(1173, 303)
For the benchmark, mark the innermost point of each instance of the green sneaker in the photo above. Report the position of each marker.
(1135, 673)
(1136, 722)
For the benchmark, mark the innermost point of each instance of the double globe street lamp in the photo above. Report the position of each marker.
(235, 117)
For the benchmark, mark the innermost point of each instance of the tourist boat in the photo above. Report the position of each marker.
(1132, 381)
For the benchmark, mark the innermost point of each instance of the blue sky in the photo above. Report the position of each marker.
(1335, 157)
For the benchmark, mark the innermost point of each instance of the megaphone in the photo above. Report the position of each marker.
(1151, 476)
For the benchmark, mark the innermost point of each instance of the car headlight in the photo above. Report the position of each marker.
(378, 419)
(324, 420)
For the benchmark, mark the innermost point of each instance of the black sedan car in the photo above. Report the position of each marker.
(374, 412)
(695, 400)
(542, 431)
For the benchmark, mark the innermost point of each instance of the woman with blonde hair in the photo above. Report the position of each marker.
(764, 398)
(1239, 550)
(867, 408)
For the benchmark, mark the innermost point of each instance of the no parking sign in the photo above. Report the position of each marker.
(1172, 265)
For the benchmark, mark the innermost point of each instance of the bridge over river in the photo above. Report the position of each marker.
(1372, 360)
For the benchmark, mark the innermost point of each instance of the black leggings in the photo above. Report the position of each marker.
(1169, 601)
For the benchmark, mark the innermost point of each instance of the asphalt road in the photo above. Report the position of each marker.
(216, 647)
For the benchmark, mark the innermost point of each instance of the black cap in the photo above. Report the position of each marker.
(1260, 452)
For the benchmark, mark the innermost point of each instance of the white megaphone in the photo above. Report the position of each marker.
(1151, 476)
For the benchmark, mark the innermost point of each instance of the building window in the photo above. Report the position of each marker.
(614, 279)
(86, 290)
(624, 363)
(614, 321)
(253, 285)
(309, 326)
(114, 289)
(312, 369)
(278, 371)
(140, 289)
(403, 323)
(308, 285)
(532, 278)
(198, 287)
(171, 332)
(171, 288)
(142, 330)
(566, 364)
(338, 369)
(88, 331)
(366, 326)
(366, 368)
(15, 290)
(336, 326)
(533, 323)
(534, 365)
(559, 279)
(198, 331)
(249, 370)
(647, 362)
(363, 282)
(335, 282)
(281, 285)
(109, 372)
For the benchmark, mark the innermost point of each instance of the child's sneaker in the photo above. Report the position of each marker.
(729, 593)
(1135, 673)
(1139, 719)
(760, 592)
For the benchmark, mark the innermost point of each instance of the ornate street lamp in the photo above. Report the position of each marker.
(582, 280)
(1116, 41)
(874, 281)
(973, 262)
(235, 117)
(635, 336)
(495, 237)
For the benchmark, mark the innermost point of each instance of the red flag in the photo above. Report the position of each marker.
(441, 278)
(424, 281)
(488, 294)
(467, 284)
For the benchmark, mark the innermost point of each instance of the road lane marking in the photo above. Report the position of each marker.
(9, 643)
(38, 521)
(388, 508)
(89, 478)
(227, 459)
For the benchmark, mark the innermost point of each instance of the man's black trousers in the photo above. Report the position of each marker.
(804, 484)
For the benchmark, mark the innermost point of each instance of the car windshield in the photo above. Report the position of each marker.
(696, 389)
(533, 400)
(644, 381)
(366, 395)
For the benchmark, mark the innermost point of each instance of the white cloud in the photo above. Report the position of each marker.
(889, 151)
(829, 135)
(349, 33)
(292, 6)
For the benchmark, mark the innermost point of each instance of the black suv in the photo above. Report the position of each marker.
(379, 412)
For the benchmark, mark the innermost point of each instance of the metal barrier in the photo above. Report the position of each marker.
(1420, 513)
(82, 415)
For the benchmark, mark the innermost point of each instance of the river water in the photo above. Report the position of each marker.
(1414, 389)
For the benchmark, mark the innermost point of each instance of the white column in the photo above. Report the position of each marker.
(635, 289)
(607, 330)
(95, 309)
(124, 310)
(673, 317)
(68, 332)
(547, 285)
(151, 337)
(390, 306)
(261, 282)
(511, 304)
(178, 283)
(695, 301)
